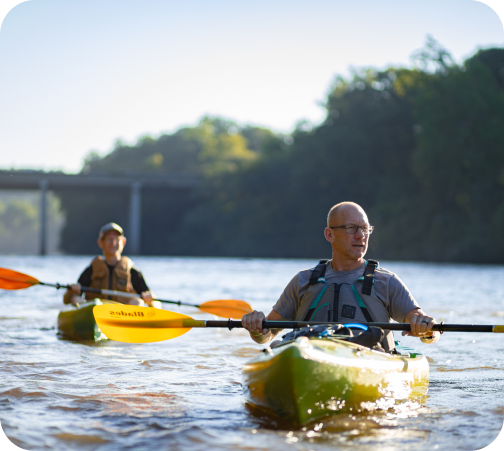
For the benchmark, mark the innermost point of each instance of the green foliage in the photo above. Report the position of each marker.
(215, 146)
(18, 227)
(493, 59)
(223, 149)
(168, 154)
(420, 149)
(20, 222)
(459, 158)
(277, 208)
(86, 211)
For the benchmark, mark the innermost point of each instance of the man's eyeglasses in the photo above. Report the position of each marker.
(352, 229)
(111, 240)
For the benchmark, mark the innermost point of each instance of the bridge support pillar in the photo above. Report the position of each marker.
(135, 211)
(43, 184)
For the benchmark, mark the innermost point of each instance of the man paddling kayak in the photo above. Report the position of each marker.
(112, 272)
(346, 289)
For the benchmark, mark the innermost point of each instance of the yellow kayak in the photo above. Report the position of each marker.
(76, 322)
(309, 378)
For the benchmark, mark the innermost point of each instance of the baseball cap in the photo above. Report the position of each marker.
(108, 227)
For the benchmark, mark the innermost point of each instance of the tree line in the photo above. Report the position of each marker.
(420, 149)
(20, 223)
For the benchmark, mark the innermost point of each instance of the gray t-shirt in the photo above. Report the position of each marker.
(389, 289)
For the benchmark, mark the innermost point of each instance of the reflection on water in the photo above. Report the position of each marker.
(186, 393)
(479, 368)
(352, 430)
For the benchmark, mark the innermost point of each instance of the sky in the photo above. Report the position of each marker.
(75, 76)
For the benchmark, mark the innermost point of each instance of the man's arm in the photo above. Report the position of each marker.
(287, 304)
(421, 326)
(401, 301)
(138, 281)
(140, 286)
(253, 323)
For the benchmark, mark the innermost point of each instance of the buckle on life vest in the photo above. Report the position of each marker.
(318, 273)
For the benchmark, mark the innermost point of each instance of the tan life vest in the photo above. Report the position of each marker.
(342, 303)
(121, 279)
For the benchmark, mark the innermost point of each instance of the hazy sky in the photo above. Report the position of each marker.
(77, 75)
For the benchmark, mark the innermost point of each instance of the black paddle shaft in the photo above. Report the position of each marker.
(231, 324)
(55, 285)
(58, 286)
(114, 293)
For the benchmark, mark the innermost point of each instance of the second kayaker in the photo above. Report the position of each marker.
(112, 271)
(346, 289)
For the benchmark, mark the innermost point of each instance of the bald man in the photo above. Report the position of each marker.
(347, 288)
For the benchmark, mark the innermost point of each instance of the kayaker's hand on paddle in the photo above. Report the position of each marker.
(253, 323)
(76, 288)
(148, 298)
(75, 298)
(421, 326)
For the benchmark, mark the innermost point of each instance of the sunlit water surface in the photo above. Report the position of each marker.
(186, 394)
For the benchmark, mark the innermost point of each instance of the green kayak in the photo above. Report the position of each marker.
(310, 378)
(78, 323)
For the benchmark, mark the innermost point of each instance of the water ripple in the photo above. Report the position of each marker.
(186, 394)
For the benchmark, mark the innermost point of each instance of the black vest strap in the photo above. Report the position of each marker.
(308, 315)
(369, 276)
(318, 271)
(366, 313)
(335, 315)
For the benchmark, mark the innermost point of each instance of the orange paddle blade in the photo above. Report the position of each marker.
(13, 280)
(133, 324)
(226, 308)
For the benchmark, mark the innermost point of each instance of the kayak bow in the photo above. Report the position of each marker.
(310, 378)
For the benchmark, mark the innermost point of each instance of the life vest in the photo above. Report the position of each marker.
(121, 279)
(343, 302)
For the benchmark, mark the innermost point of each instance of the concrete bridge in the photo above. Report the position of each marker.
(133, 183)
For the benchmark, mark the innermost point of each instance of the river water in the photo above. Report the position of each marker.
(186, 393)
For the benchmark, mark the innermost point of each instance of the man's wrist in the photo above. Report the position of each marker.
(430, 338)
(258, 334)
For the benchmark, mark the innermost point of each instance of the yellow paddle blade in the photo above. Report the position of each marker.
(226, 308)
(133, 324)
(13, 280)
